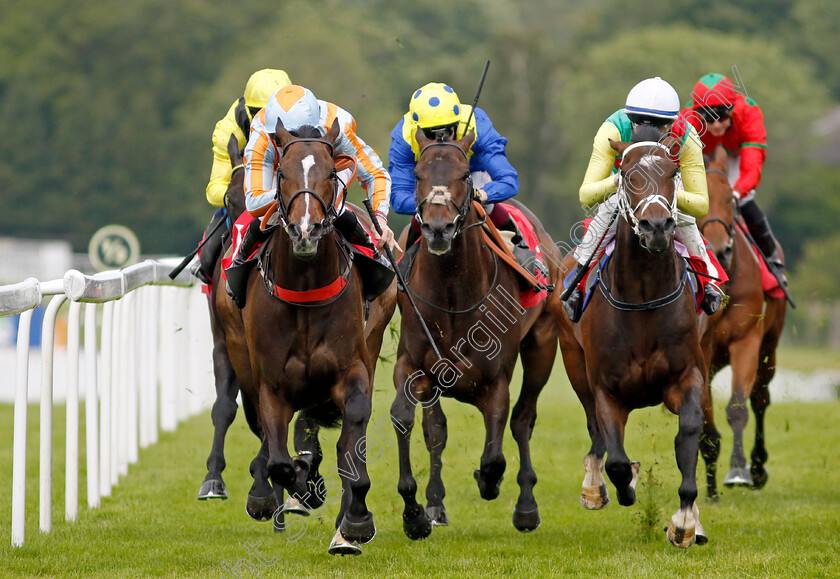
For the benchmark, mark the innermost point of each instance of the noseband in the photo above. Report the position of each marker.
(441, 195)
(626, 208)
(330, 212)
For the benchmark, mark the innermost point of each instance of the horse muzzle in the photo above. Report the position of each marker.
(439, 237)
(657, 234)
(305, 241)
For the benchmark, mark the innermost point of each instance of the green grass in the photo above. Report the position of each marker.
(153, 525)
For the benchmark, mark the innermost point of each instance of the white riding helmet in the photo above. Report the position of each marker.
(295, 106)
(653, 97)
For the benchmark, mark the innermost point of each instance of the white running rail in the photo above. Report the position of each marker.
(144, 362)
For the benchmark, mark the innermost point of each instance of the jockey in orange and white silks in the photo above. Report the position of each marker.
(296, 106)
(655, 102)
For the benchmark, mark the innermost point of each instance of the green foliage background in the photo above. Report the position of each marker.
(107, 107)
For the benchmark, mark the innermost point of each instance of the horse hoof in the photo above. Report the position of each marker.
(341, 546)
(700, 537)
(594, 498)
(738, 477)
(261, 508)
(758, 474)
(526, 521)
(212, 489)
(438, 516)
(487, 491)
(361, 532)
(682, 530)
(295, 507)
(416, 523)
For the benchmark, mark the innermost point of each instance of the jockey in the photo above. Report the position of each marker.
(237, 121)
(296, 106)
(722, 116)
(436, 109)
(654, 102)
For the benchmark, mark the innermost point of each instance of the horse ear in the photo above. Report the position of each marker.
(234, 152)
(466, 141)
(618, 146)
(332, 134)
(420, 137)
(281, 134)
(720, 156)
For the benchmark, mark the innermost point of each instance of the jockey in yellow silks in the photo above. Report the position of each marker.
(236, 122)
(654, 102)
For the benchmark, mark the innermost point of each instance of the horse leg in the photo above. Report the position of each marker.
(356, 521)
(537, 352)
(612, 418)
(709, 441)
(222, 415)
(435, 434)
(309, 457)
(684, 400)
(416, 522)
(494, 404)
(744, 362)
(760, 395)
(262, 501)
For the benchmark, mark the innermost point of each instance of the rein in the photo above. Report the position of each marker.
(471, 308)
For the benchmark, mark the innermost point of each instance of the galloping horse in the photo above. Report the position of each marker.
(299, 343)
(746, 334)
(637, 343)
(472, 303)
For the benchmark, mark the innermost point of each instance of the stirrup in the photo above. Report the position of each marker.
(195, 270)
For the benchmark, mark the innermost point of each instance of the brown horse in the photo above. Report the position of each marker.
(745, 335)
(471, 302)
(637, 343)
(300, 344)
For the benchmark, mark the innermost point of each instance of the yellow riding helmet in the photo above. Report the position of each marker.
(434, 105)
(262, 84)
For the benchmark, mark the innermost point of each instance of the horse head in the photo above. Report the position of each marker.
(718, 226)
(443, 188)
(307, 190)
(647, 191)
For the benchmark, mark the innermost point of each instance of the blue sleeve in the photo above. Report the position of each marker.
(489, 155)
(401, 167)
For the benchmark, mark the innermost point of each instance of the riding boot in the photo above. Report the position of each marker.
(211, 249)
(349, 226)
(523, 254)
(711, 299)
(237, 273)
(574, 303)
(411, 248)
(762, 234)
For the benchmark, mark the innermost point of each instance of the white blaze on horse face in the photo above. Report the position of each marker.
(307, 163)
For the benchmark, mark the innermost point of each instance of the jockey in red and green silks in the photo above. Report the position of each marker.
(724, 117)
(435, 109)
(653, 102)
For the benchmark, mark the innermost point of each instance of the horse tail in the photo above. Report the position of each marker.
(327, 415)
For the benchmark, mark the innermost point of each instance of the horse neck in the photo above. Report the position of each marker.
(637, 275)
(296, 274)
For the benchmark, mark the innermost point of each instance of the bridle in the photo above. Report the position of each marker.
(625, 207)
(440, 195)
(331, 212)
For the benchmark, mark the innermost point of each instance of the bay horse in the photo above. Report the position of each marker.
(471, 302)
(746, 334)
(637, 343)
(293, 353)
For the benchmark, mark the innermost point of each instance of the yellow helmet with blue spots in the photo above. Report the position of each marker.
(434, 105)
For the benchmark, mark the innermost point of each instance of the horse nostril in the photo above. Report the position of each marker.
(670, 226)
(293, 229)
(316, 230)
(645, 226)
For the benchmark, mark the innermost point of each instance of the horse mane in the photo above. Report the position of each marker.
(645, 133)
(307, 132)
